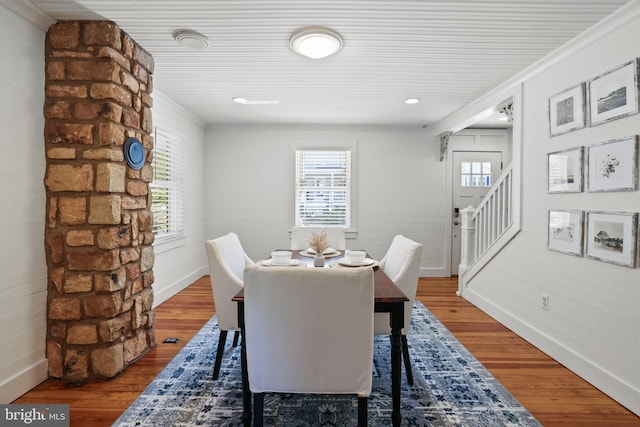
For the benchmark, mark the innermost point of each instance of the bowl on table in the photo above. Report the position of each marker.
(355, 257)
(281, 257)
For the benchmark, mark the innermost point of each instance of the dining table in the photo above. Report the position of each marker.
(388, 298)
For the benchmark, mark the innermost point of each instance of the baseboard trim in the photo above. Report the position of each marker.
(434, 272)
(605, 381)
(163, 293)
(23, 381)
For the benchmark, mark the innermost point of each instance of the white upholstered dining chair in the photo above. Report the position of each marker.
(300, 236)
(402, 264)
(290, 351)
(227, 261)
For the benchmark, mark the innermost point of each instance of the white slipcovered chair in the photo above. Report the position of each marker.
(300, 236)
(402, 264)
(227, 261)
(292, 346)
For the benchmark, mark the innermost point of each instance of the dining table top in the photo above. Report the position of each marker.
(385, 291)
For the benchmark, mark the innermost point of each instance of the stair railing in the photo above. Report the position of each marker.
(485, 229)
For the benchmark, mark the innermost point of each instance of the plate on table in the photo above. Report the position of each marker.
(271, 263)
(344, 262)
(329, 252)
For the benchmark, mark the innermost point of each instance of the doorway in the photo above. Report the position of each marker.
(474, 173)
(477, 158)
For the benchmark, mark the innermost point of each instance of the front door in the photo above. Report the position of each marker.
(474, 173)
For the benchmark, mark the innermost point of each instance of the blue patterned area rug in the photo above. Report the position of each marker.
(451, 388)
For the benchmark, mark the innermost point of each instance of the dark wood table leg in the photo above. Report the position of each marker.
(246, 392)
(397, 320)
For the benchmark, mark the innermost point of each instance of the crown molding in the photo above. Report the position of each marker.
(25, 9)
(159, 96)
(616, 20)
(328, 127)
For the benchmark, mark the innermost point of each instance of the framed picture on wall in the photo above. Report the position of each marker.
(614, 94)
(567, 110)
(565, 232)
(612, 237)
(564, 171)
(613, 165)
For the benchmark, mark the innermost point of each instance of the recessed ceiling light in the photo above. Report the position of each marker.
(315, 42)
(191, 39)
(412, 100)
(245, 101)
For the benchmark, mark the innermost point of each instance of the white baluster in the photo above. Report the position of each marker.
(467, 242)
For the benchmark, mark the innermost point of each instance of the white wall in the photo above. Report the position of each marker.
(180, 263)
(23, 271)
(400, 187)
(593, 325)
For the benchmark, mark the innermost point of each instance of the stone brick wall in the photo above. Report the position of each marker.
(98, 235)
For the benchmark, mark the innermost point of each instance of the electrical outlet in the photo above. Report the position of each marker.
(545, 302)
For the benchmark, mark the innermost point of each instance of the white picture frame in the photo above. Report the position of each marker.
(565, 171)
(566, 110)
(565, 231)
(611, 237)
(613, 165)
(614, 94)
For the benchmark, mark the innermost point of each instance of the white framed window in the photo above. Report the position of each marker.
(324, 185)
(167, 187)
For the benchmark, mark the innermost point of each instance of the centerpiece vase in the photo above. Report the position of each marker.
(318, 260)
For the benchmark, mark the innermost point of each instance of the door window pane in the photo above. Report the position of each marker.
(476, 174)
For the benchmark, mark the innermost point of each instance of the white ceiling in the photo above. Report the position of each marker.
(447, 53)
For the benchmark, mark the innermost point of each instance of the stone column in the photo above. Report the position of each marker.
(98, 232)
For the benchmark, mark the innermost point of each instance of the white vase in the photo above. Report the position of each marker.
(318, 260)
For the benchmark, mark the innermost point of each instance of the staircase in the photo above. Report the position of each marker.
(489, 227)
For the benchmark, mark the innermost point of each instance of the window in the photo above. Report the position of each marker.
(323, 186)
(166, 188)
(476, 174)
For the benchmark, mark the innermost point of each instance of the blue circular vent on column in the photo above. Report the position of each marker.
(134, 153)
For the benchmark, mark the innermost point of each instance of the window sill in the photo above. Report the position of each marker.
(350, 233)
(166, 244)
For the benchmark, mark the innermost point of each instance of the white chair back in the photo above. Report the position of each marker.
(402, 264)
(227, 261)
(300, 236)
(309, 330)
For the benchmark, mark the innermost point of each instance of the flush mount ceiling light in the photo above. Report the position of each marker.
(191, 39)
(412, 100)
(315, 42)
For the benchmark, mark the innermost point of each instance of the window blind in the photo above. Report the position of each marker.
(166, 188)
(323, 187)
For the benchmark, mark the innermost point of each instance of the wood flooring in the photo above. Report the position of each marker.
(552, 393)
